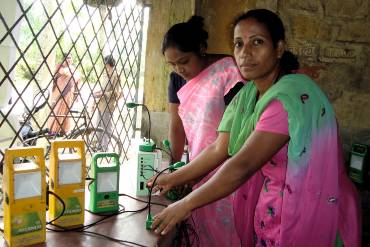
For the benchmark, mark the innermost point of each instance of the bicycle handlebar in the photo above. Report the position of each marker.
(32, 134)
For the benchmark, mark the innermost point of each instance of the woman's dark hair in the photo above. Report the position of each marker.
(109, 60)
(275, 27)
(186, 36)
(66, 55)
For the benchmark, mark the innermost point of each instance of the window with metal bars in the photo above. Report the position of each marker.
(66, 71)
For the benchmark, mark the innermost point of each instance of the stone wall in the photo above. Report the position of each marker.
(331, 39)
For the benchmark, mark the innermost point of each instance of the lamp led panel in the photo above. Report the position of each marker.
(70, 172)
(107, 182)
(27, 185)
(356, 162)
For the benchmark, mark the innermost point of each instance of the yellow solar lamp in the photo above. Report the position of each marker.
(24, 197)
(67, 180)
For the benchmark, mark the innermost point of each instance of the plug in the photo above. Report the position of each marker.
(166, 143)
(149, 221)
(176, 166)
(171, 195)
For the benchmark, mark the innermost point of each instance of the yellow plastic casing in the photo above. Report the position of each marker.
(24, 217)
(72, 194)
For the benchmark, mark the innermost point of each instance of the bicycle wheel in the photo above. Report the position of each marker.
(93, 140)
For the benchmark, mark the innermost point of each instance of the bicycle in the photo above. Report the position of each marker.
(91, 135)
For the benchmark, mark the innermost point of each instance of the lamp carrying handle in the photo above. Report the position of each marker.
(12, 153)
(102, 155)
(79, 144)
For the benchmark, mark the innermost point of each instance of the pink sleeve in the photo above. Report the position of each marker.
(231, 74)
(274, 119)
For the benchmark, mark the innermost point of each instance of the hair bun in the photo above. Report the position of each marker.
(196, 21)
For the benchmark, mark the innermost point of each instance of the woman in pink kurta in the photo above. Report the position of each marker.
(210, 80)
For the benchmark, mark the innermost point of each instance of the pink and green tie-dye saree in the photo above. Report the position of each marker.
(318, 198)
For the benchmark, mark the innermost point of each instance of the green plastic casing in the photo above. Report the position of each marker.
(104, 201)
(171, 195)
(358, 169)
(147, 146)
(149, 221)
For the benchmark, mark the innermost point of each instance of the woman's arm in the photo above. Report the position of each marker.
(176, 133)
(206, 161)
(257, 150)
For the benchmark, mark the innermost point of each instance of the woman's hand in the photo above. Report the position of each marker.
(169, 217)
(163, 183)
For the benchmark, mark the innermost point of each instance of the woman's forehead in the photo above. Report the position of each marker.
(250, 27)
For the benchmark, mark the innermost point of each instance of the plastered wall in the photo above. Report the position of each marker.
(331, 39)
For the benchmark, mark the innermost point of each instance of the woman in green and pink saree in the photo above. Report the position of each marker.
(279, 140)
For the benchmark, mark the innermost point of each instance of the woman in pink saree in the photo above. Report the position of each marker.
(211, 80)
(67, 77)
(279, 140)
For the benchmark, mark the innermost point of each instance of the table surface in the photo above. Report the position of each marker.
(126, 226)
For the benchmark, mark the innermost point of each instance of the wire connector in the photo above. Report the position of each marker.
(149, 221)
(176, 166)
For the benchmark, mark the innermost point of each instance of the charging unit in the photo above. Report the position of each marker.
(149, 159)
(358, 168)
(105, 186)
(24, 190)
(67, 180)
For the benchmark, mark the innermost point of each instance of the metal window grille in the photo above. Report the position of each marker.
(39, 37)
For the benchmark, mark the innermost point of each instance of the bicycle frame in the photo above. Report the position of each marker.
(83, 129)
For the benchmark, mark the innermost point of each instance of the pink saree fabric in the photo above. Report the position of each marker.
(201, 108)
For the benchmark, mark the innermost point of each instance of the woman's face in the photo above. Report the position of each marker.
(186, 64)
(68, 61)
(254, 51)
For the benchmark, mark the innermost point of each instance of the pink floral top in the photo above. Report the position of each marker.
(267, 218)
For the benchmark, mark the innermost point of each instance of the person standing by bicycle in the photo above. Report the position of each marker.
(106, 99)
(65, 84)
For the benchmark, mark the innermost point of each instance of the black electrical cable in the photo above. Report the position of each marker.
(90, 183)
(151, 188)
(107, 214)
(63, 204)
(183, 228)
(82, 230)
(184, 232)
(168, 153)
(120, 241)
(151, 168)
(139, 200)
